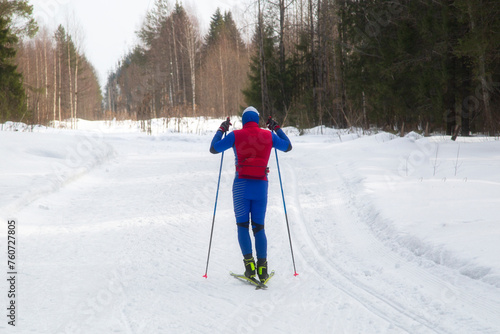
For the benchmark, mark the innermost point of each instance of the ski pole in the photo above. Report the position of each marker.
(215, 209)
(286, 215)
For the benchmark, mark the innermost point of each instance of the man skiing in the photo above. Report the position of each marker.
(252, 147)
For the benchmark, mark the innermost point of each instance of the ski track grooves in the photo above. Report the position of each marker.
(377, 304)
(478, 300)
(398, 251)
(419, 318)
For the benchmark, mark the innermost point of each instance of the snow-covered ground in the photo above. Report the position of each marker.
(391, 235)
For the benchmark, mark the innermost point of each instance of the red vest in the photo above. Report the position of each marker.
(253, 147)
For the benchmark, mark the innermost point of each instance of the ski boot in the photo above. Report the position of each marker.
(262, 270)
(249, 266)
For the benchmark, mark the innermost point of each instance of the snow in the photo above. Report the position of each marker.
(390, 234)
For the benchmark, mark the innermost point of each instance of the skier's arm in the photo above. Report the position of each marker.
(220, 144)
(281, 141)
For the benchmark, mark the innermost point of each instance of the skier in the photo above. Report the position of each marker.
(252, 147)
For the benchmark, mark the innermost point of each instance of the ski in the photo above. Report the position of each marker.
(268, 278)
(253, 281)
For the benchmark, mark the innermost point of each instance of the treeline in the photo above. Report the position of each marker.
(44, 77)
(401, 64)
(427, 65)
(173, 72)
(421, 63)
(15, 23)
(287, 70)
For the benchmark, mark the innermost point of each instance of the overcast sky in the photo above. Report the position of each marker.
(109, 26)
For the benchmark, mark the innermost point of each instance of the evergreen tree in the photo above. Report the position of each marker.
(154, 22)
(479, 46)
(402, 66)
(253, 92)
(12, 96)
(223, 67)
(281, 87)
(216, 28)
(424, 62)
(18, 14)
(222, 26)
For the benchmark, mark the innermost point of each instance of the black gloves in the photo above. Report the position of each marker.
(272, 124)
(224, 127)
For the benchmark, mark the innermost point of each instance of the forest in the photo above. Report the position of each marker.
(45, 76)
(399, 65)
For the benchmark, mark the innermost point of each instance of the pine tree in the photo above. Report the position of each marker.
(216, 28)
(223, 26)
(223, 64)
(12, 96)
(479, 45)
(154, 22)
(18, 14)
(282, 79)
(253, 92)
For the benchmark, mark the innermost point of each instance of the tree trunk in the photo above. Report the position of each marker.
(321, 56)
(55, 85)
(192, 66)
(313, 57)
(486, 96)
(76, 88)
(70, 83)
(223, 85)
(342, 87)
(174, 38)
(266, 110)
(282, 55)
(46, 83)
(28, 76)
(59, 58)
(482, 75)
(37, 71)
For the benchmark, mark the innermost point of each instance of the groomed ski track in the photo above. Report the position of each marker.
(345, 254)
(121, 248)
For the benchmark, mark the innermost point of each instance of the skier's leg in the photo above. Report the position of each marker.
(242, 213)
(260, 240)
(244, 239)
(258, 213)
(261, 247)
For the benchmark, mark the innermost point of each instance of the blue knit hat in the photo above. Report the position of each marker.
(250, 114)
